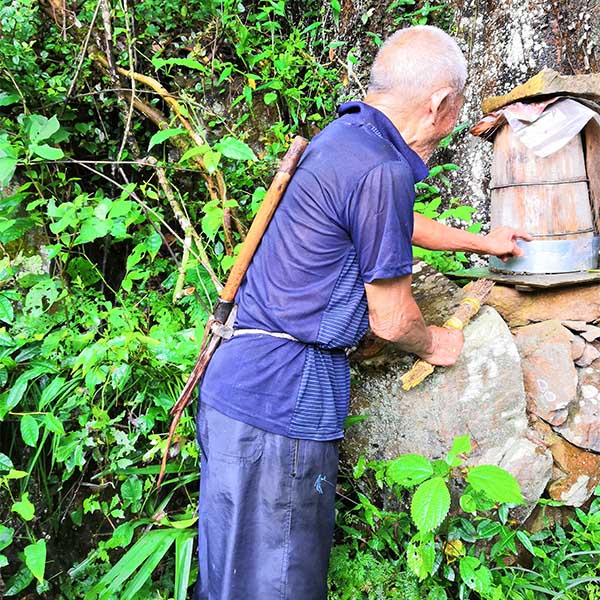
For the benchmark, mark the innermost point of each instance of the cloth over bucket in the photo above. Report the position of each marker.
(540, 184)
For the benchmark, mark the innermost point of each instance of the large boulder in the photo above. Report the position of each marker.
(482, 395)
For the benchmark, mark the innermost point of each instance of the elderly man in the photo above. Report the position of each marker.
(335, 260)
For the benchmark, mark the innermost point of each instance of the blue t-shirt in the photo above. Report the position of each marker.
(346, 219)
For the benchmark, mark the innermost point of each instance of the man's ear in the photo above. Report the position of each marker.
(439, 103)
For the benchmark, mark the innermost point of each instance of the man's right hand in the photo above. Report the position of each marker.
(446, 344)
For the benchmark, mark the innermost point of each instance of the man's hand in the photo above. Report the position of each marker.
(502, 242)
(446, 345)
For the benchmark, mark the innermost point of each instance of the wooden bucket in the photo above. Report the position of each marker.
(547, 197)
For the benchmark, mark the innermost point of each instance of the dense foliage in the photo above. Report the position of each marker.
(411, 544)
(136, 143)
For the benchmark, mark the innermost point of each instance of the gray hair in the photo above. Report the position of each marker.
(417, 60)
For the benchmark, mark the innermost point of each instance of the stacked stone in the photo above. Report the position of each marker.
(558, 338)
(526, 388)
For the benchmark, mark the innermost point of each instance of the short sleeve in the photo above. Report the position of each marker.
(380, 221)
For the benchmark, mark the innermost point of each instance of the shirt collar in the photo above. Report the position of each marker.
(359, 112)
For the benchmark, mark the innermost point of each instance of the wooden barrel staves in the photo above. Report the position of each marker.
(548, 197)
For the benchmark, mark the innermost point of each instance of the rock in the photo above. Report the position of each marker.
(580, 303)
(435, 294)
(545, 517)
(549, 375)
(588, 356)
(482, 395)
(575, 325)
(530, 462)
(582, 426)
(591, 333)
(549, 83)
(576, 471)
(577, 347)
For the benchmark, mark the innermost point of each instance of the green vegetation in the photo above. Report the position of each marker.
(474, 552)
(136, 143)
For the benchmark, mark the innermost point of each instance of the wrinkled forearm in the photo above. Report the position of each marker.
(399, 322)
(432, 235)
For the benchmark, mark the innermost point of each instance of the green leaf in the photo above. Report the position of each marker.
(24, 508)
(6, 536)
(153, 243)
(430, 504)
(30, 430)
(270, 97)
(235, 149)
(211, 160)
(7, 99)
(131, 491)
(184, 546)
(180, 523)
(92, 229)
(496, 483)
(35, 559)
(409, 470)
(354, 419)
(146, 546)
(16, 392)
(475, 575)
(53, 424)
(523, 538)
(47, 152)
(18, 582)
(464, 213)
(437, 593)
(5, 463)
(8, 166)
(164, 134)
(440, 468)
(460, 445)
(189, 63)
(52, 390)
(7, 314)
(420, 555)
(122, 535)
(359, 468)
(146, 570)
(195, 151)
(468, 504)
(41, 128)
(487, 529)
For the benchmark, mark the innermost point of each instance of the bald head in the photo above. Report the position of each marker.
(417, 61)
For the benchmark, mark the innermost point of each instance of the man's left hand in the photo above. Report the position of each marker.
(502, 242)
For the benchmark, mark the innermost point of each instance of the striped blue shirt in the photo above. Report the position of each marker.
(345, 220)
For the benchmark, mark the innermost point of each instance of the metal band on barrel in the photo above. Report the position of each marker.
(552, 256)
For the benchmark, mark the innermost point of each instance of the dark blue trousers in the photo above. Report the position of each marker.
(266, 512)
